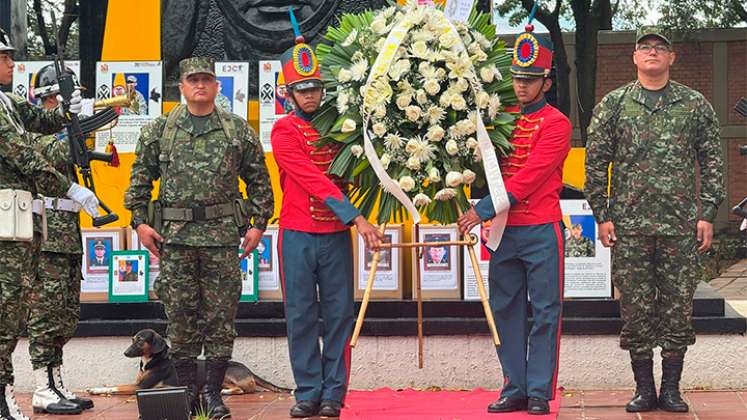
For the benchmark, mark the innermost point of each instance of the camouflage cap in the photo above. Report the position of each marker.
(651, 30)
(194, 65)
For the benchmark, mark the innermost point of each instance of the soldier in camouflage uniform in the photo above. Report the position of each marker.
(22, 168)
(198, 152)
(577, 245)
(654, 131)
(55, 298)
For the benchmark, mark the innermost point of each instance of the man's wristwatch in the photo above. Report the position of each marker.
(137, 221)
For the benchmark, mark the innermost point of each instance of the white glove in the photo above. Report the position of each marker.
(75, 102)
(86, 198)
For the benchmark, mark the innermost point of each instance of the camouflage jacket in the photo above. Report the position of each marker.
(21, 165)
(581, 247)
(653, 152)
(63, 227)
(203, 170)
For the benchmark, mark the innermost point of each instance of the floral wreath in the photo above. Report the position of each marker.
(423, 108)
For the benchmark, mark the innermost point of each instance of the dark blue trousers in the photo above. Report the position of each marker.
(308, 261)
(529, 261)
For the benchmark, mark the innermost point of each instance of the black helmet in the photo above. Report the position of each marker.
(5, 42)
(45, 82)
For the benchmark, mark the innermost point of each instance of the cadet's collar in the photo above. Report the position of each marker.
(304, 116)
(532, 108)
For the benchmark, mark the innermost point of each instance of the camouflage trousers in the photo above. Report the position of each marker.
(55, 307)
(17, 270)
(657, 277)
(200, 288)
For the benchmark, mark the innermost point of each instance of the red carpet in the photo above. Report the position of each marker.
(410, 404)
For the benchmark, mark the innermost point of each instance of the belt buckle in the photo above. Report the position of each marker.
(198, 214)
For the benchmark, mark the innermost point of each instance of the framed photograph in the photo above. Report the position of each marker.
(249, 277)
(439, 265)
(128, 276)
(389, 271)
(587, 263)
(98, 246)
(483, 258)
(154, 268)
(268, 266)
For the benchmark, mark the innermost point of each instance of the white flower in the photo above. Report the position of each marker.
(350, 38)
(471, 143)
(434, 175)
(482, 100)
(356, 150)
(393, 141)
(344, 75)
(445, 99)
(406, 183)
(487, 74)
(379, 129)
(459, 68)
(480, 38)
(435, 114)
(422, 35)
(415, 16)
(498, 75)
(421, 97)
(379, 111)
(454, 179)
(385, 160)
(494, 105)
(435, 133)
(388, 12)
(448, 40)
(403, 100)
(445, 194)
(359, 69)
(461, 85)
(419, 49)
(458, 103)
(426, 70)
(380, 44)
(348, 126)
(412, 112)
(440, 73)
(399, 68)
(479, 56)
(380, 93)
(379, 26)
(421, 149)
(468, 176)
(466, 126)
(452, 147)
(405, 88)
(431, 86)
(413, 163)
(421, 200)
(342, 101)
(474, 47)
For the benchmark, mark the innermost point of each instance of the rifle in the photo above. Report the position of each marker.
(76, 136)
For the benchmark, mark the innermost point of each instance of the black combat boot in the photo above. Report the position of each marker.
(215, 372)
(186, 375)
(670, 398)
(645, 389)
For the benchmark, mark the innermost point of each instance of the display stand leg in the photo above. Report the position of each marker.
(366, 294)
(416, 256)
(481, 289)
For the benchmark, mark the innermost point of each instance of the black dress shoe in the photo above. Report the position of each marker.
(507, 405)
(305, 409)
(330, 408)
(537, 406)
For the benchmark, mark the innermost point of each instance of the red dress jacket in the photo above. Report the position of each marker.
(533, 172)
(312, 199)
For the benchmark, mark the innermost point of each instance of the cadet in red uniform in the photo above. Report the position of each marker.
(529, 259)
(315, 246)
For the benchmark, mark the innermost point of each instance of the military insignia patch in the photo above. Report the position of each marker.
(526, 50)
(304, 60)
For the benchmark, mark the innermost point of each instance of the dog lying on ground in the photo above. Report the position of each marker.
(157, 370)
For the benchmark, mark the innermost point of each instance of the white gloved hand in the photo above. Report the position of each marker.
(86, 198)
(75, 102)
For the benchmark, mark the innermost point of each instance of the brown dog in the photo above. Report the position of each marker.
(157, 370)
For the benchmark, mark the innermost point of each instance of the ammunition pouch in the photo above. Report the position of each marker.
(154, 218)
(17, 208)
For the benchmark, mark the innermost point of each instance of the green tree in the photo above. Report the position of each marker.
(41, 37)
